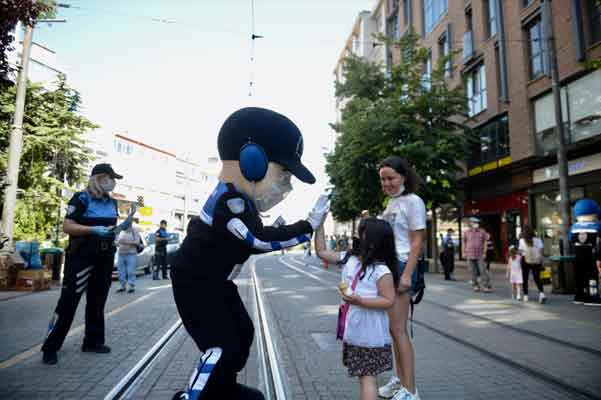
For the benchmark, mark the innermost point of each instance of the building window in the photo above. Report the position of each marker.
(595, 20)
(535, 44)
(433, 11)
(476, 91)
(444, 50)
(493, 143)
(407, 12)
(491, 17)
(427, 75)
(581, 112)
(393, 29)
(526, 3)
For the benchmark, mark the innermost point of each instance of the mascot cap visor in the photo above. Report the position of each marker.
(279, 137)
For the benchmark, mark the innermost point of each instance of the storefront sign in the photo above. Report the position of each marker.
(490, 166)
(575, 167)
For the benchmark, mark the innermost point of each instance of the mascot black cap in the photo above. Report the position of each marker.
(279, 137)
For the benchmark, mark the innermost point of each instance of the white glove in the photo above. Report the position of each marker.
(319, 212)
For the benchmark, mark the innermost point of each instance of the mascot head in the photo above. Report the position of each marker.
(261, 150)
(586, 210)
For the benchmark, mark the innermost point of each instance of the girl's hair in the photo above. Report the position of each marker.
(402, 167)
(94, 186)
(377, 245)
(528, 235)
(513, 252)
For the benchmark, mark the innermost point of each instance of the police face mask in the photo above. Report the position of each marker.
(107, 185)
(275, 194)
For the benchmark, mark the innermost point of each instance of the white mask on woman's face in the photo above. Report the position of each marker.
(275, 194)
(107, 185)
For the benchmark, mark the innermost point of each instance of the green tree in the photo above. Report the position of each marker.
(405, 112)
(13, 11)
(54, 153)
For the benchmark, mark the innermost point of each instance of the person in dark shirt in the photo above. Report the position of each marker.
(88, 263)
(160, 251)
(260, 151)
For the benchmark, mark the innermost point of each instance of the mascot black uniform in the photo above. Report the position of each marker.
(260, 150)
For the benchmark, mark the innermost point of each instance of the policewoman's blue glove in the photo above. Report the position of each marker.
(102, 231)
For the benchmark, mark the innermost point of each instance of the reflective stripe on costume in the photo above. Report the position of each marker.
(239, 229)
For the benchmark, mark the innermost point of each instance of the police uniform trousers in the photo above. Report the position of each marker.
(87, 269)
(214, 316)
(160, 260)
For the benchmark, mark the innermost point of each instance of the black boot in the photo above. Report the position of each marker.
(50, 358)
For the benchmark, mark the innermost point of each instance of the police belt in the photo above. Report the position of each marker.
(90, 243)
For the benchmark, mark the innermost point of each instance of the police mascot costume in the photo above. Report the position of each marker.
(584, 237)
(260, 150)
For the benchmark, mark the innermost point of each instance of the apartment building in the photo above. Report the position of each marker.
(511, 175)
(173, 186)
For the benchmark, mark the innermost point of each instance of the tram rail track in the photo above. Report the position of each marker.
(574, 391)
(273, 380)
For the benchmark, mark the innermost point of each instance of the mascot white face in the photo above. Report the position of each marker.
(272, 189)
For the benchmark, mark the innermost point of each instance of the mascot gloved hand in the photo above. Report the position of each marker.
(260, 151)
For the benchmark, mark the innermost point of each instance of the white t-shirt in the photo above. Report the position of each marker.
(365, 327)
(534, 254)
(405, 213)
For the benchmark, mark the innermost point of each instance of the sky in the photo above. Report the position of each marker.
(173, 84)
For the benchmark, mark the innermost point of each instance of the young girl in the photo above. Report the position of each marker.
(514, 273)
(371, 280)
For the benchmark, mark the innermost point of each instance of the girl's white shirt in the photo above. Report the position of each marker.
(405, 214)
(365, 327)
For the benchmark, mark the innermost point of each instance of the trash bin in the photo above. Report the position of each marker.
(562, 274)
(53, 258)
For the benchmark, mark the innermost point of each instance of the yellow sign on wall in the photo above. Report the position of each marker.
(145, 211)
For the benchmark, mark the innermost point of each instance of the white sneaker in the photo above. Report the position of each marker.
(518, 297)
(393, 386)
(542, 298)
(525, 298)
(404, 394)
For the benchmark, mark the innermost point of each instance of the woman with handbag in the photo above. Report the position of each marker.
(406, 213)
(531, 249)
(129, 242)
(368, 286)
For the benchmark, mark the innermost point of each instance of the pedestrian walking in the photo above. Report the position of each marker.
(475, 244)
(161, 239)
(531, 249)
(448, 255)
(514, 273)
(406, 213)
(88, 263)
(368, 287)
(490, 251)
(128, 242)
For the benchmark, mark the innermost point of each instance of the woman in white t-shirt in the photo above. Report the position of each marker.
(406, 213)
(369, 278)
(531, 249)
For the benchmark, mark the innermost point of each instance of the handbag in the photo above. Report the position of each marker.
(343, 310)
(140, 246)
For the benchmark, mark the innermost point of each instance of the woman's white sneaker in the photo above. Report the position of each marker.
(393, 386)
(404, 394)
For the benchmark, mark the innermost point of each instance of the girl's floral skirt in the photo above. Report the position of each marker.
(364, 361)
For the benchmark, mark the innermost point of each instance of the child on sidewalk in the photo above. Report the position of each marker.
(514, 273)
(369, 281)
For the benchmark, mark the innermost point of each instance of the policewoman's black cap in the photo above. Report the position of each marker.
(104, 168)
(279, 136)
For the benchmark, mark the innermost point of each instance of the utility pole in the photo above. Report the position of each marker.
(562, 161)
(16, 142)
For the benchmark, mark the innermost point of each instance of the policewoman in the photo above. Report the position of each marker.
(88, 263)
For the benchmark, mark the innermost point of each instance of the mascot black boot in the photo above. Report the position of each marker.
(260, 150)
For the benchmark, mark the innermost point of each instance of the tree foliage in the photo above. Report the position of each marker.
(14, 11)
(405, 113)
(54, 152)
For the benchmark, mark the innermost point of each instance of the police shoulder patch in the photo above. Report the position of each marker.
(70, 210)
(236, 205)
